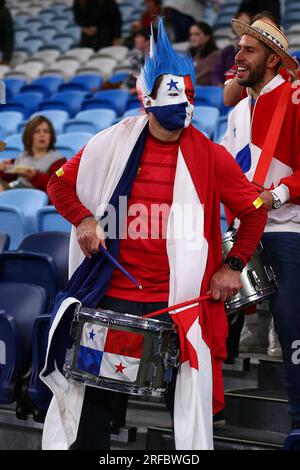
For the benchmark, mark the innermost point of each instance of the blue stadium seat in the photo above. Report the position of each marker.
(49, 220)
(221, 128)
(26, 103)
(38, 393)
(112, 99)
(20, 35)
(134, 103)
(47, 33)
(9, 121)
(18, 209)
(205, 119)
(73, 140)
(46, 16)
(74, 31)
(33, 24)
(118, 77)
(9, 153)
(13, 222)
(20, 305)
(132, 112)
(30, 268)
(63, 42)
(83, 82)
(53, 244)
(4, 241)
(13, 86)
(31, 45)
(45, 85)
(70, 101)
(58, 117)
(209, 96)
(296, 54)
(61, 23)
(98, 118)
(15, 140)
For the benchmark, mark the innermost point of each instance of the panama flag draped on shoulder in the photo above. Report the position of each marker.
(193, 259)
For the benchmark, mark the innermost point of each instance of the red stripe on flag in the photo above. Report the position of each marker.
(124, 343)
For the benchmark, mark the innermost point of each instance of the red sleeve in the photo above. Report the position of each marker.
(41, 179)
(240, 197)
(62, 192)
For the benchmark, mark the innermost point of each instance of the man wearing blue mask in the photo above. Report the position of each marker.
(156, 160)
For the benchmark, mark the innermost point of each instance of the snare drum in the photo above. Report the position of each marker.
(259, 281)
(121, 352)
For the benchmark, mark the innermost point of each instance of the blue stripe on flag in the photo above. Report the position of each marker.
(89, 360)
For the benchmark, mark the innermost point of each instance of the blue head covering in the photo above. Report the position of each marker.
(163, 60)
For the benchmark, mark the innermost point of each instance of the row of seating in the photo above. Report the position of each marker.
(30, 277)
(25, 211)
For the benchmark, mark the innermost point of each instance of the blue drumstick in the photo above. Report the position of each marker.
(118, 265)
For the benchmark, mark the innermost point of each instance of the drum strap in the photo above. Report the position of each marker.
(269, 147)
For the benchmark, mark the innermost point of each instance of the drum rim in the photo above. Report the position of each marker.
(170, 326)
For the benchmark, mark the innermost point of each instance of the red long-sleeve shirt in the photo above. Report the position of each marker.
(146, 258)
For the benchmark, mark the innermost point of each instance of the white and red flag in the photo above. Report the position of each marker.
(110, 353)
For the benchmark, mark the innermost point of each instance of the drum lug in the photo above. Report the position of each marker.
(255, 281)
(270, 274)
(170, 360)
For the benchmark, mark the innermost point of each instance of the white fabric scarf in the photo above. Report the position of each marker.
(102, 164)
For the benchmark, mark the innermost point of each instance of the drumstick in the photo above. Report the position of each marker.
(118, 265)
(177, 306)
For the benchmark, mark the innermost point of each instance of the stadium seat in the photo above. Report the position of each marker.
(4, 241)
(33, 24)
(9, 121)
(38, 393)
(9, 153)
(205, 119)
(80, 53)
(58, 117)
(26, 103)
(15, 140)
(75, 32)
(70, 101)
(118, 53)
(209, 96)
(63, 42)
(46, 16)
(134, 103)
(60, 23)
(99, 118)
(105, 65)
(113, 99)
(47, 33)
(31, 45)
(83, 83)
(132, 112)
(76, 125)
(20, 305)
(48, 219)
(13, 86)
(30, 268)
(47, 54)
(221, 129)
(20, 35)
(50, 85)
(118, 77)
(53, 244)
(4, 70)
(18, 209)
(73, 140)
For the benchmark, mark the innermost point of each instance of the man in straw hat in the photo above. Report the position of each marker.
(263, 135)
(159, 161)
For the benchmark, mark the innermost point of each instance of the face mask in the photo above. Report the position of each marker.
(173, 107)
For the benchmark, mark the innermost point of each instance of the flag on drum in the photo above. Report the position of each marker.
(110, 353)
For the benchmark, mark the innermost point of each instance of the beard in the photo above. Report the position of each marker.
(255, 76)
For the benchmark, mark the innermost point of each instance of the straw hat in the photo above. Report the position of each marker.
(271, 36)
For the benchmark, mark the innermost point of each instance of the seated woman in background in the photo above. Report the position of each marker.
(204, 51)
(38, 161)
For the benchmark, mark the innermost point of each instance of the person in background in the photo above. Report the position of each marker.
(137, 57)
(100, 22)
(233, 92)
(6, 34)
(153, 9)
(254, 7)
(226, 57)
(182, 14)
(39, 160)
(204, 52)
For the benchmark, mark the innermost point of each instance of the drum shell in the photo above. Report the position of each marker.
(258, 281)
(158, 336)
